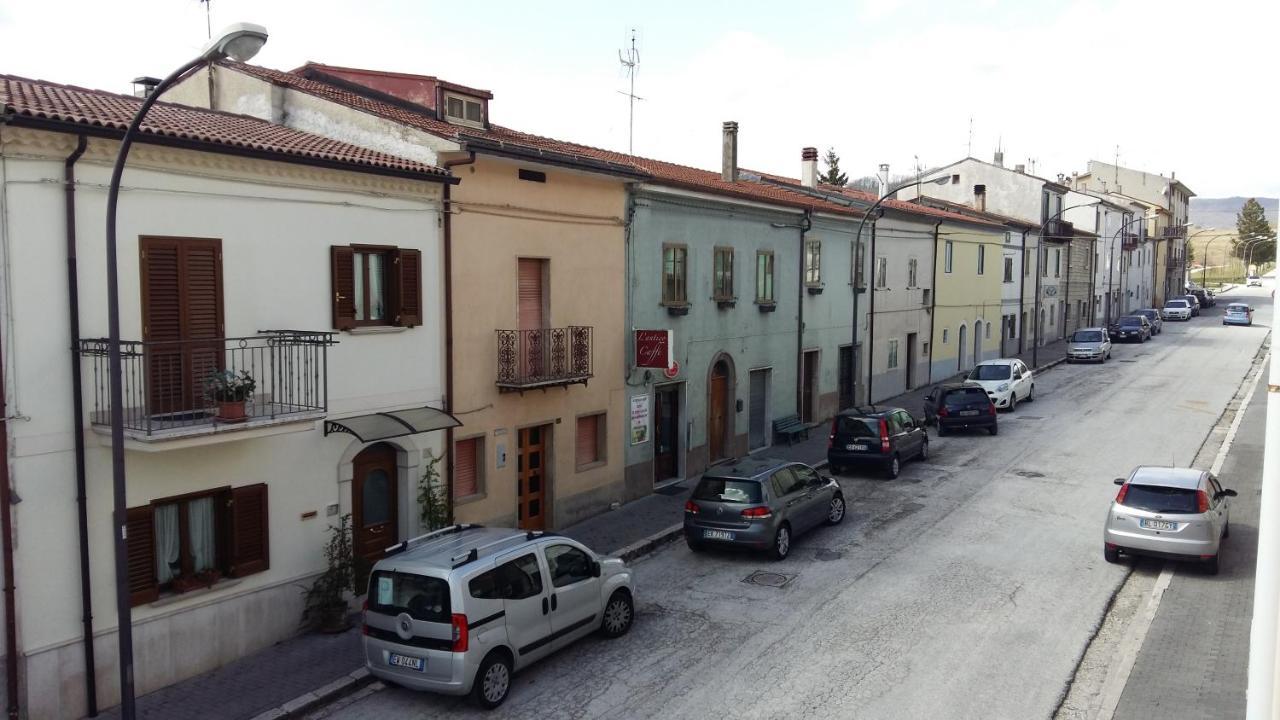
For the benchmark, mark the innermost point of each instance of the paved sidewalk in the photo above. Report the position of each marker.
(311, 669)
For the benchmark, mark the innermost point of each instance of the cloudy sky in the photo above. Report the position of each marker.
(1178, 86)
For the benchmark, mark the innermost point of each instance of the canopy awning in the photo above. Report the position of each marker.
(397, 423)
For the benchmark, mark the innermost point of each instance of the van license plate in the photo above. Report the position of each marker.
(1158, 525)
(717, 534)
(405, 661)
(855, 447)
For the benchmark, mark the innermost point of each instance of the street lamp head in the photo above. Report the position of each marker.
(240, 42)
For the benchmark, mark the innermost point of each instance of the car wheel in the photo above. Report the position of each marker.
(924, 448)
(835, 512)
(782, 542)
(493, 680)
(694, 545)
(1031, 393)
(1013, 401)
(619, 613)
(1111, 555)
(1211, 566)
(893, 467)
(994, 429)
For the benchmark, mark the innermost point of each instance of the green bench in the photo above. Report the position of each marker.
(790, 427)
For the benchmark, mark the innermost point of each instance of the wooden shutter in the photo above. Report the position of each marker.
(588, 439)
(342, 275)
(408, 286)
(249, 548)
(202, 314)
(161, 266)
(465, 465)
(141, 541)
(530, 297)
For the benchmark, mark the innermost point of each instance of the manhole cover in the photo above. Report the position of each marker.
(1029, 474)
(768, 579)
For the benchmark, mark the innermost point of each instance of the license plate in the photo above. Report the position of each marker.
(717, 535)
(855, 447)
(404, 661)
(968, 412)
(1158, 524)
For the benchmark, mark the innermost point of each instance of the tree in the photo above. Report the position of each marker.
(1251, 222)
(833, 176)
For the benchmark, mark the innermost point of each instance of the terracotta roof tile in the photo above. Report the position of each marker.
(41, 100)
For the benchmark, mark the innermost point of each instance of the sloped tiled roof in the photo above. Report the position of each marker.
(870, 198)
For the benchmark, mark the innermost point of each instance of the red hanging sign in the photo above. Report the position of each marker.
(653, 349)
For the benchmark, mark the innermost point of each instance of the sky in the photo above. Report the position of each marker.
(1185, 87)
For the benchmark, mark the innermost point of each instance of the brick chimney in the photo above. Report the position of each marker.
(729, 156)
(809, 167)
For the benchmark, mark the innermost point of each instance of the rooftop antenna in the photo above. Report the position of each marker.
(969, 151)
(1117, 167)
(208, 19)
(630, 60)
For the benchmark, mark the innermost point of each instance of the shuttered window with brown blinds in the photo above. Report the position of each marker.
(375, 286)
(466, 467)
(249, 550)
(532, 299)
(182, 318)
(590, 436)
(143, 586)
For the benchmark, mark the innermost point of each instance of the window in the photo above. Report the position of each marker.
(1044, 262)
(859, 262)
(813, 263)
(515, 580)
(568, 565)
(1012, 324)
(882, 272)
(464, 109)
(893, 354)
(946, 335)
(674, 274)
(421, 597)
(806, 476)
(178, 544)
(982, 259)
(764, 277)
(468, 468)
(722, 281)
(590, 441)
(1008, 237)
(912, 265)
(987, 330)
(375, 286)
(946, 263)
(785, 482)
(1057, 263)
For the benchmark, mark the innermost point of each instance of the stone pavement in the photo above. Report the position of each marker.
(1194, 660)
(309, 669)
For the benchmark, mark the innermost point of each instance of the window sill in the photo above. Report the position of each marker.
(724, 303)
(477, 497)
(814, 289)
(766, 307)
(377, 330)
(677, 310)
(175, 598)
(591, 466)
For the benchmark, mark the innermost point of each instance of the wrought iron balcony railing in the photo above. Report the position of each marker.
(1178, 231)
(543, 358)
(166, 383)
(1059, 229)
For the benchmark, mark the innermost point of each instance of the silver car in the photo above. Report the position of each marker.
(457, 611)
(1089, 344)
(1176, 513)
(1176, 309)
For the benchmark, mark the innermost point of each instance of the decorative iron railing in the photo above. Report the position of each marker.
(166, 383)
(544, 357)
(1059, 230)
(1177, 231)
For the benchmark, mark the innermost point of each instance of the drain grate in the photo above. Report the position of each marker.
(1128, 360)
(1029, 474)
(768, 579)
(1030, 417)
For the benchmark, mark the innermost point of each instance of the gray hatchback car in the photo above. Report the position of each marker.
(1175, 513)
(760, 504)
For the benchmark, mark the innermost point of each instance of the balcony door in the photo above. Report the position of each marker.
(182, 320)
(531, 311)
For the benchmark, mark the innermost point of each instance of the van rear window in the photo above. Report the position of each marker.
(424, 598)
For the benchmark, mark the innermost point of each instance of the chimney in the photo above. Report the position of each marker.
(980, 198)
(883, 176)
(1020, 168)
(809, 167)
(999, 158)
(729, 156)
(144, 86)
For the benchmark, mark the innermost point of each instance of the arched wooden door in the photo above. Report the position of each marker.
(374, 502)
(718, 410)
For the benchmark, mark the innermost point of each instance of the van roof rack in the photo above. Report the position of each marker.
(406, 544)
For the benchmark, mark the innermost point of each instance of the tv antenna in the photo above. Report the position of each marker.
(630, 60)
(208, 19)
(969, 151)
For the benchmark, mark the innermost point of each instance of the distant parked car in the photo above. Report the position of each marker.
(760, 504)
(1089, 344)
(1176, 513)
(1238, 314)
(1006, 381)
(1254, 281)
(1195, 304)
(1177, 309)
(960, 406)
(1130, 328)
(881, 436)
(1204, 297)
(1153, 316)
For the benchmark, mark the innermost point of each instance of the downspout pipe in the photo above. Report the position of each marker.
(6, 545)
(77, 434)
(871, 316)
(806, 224)
(933, 296)
(1022, 291)
(448, 319)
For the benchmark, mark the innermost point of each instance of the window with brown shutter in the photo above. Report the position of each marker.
(342, 275)
(140, 537)
(531, 297)
(249, 550)
(408, 286)
(467, 457)
(375, 285)
(590, 441)
(182, 320)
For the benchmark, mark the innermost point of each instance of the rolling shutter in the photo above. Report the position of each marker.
(249, 548)
(408, 285)
(530, 294)
(342, 276)
(140, 539)
(465, 462)
(588, 439)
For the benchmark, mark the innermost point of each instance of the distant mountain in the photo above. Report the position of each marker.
(1221, 212)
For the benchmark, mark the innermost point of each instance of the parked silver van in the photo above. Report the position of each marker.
(457, 611)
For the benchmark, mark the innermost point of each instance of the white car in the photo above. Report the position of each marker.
(1007, 381)
(1254, 280)
(1177, 309)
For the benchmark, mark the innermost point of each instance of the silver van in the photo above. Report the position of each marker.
(458, 610)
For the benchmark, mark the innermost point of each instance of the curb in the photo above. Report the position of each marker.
(323, 695)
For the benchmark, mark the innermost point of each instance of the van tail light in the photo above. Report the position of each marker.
(1202, 501)
(763, 512)
(831, 439)
(884, 436)
(691, 507)
(1124, 490)
(364, 617)
(460, 637)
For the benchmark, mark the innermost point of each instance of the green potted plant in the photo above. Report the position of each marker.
(230, 389)
(325, 606)
(433, 506)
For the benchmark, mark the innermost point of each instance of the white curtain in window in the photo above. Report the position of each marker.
(168, 544)
(359, 286)
(200, 523)
(378, 311)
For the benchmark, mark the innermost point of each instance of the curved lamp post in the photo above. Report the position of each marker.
(1251, 246)
(1035, 312)
(871, 310)
(239, 42)
(1204, 263)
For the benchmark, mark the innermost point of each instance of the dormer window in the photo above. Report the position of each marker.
(464, 110)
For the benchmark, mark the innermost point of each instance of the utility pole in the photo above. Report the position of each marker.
(208, 17)
(630, 60)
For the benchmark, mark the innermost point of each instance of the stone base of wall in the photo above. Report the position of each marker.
(638, 481)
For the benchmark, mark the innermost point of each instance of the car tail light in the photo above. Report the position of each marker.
(991, 407)
(1202, 501)
(364, 617)
(884, 435)
(831, 439)
(1124, 490)
(761, 512)
(691, 507)
(460, 637)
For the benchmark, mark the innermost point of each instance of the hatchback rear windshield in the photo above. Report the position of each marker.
(1130, 320)
(713, 489)
(1087, 336)
(847, 426)
(990, 372)
(1155, 498)
(424, 598)
(1237, 308)
(967, 395)
(1177, 304)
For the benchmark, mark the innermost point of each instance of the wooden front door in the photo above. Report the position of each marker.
(666, 433)
(181, 319)
(531, 478)
(718, 410)
(374, 502)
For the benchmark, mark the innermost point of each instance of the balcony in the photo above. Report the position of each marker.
(1173, 233)
(539, 359)
(165, 395)
(1130, 241)
(1059, 230)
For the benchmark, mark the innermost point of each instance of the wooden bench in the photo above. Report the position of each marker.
(790, 427)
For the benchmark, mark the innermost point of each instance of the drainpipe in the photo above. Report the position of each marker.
(1066, 296)
(448, 320)
(1022, 294)
(806, 224)
(1093, 280)
(77, 434)
(871, 318)
(933, 297)
(6, 545)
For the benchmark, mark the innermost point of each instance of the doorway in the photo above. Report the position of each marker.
(666, 433)
(845, 365)
(718, 410)
(977, 342)
(809, 388)
(960, 346)
(911, 361)
(374, 502)
(531, 477)
(759, 419)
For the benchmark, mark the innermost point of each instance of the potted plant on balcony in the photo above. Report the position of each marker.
(230, 389)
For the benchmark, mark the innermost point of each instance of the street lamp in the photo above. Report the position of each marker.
(1035, 311)
(871, 310)
(1251, 246)
(239, 42)
(1204, 263)
(1111, 266)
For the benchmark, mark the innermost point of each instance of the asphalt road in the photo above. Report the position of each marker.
(967, 588)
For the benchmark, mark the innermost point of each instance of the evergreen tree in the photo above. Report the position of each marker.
(833, 176)
(1251, 222)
